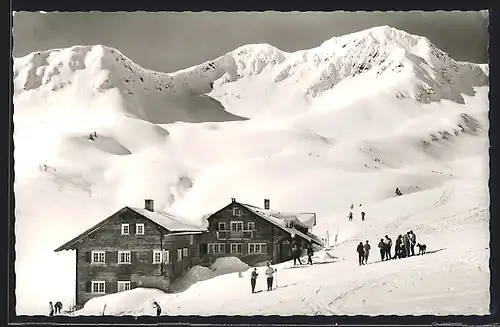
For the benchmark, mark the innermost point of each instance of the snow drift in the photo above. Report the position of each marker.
(314, 131)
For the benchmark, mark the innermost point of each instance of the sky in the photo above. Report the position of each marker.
(169, 41)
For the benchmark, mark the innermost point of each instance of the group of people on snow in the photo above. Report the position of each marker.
(55, 309)
(404, 246)
(362, 213)
(297, 253)
(269, 277)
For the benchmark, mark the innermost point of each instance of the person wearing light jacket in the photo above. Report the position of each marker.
(269, 273)
(367, 248)
(388, 246)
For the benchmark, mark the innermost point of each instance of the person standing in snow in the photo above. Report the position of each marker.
(310, 254)
(51, 309)
(413, 240)
(367, 248)
(156, 305)
(361, 253)
(362, 216)
(296, 254)
(352, 206)
(58, 306)
(381, 246)
(350, 216)
(388, 246)
(269, 273)
(398, 247)
(406, 244)
(253, 279)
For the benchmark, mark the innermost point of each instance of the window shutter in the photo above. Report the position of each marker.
(108, 288)
(88, 286)
(133, 257)
(166, 256)
(88, 256)
(111, 256)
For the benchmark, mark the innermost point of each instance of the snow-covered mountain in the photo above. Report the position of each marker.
(345, 122)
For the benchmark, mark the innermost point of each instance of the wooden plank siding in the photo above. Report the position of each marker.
(264, 232)
(141, 271)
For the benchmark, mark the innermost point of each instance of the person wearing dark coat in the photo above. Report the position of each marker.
(397, 247)
(381, 246)
(253, 279)
(58, 307)
(350, 216)
(296, 251)
(309, 254)
(413, 240)
(361, 253)
(367, 248)
(156, 305)
(388, 246)
(362, 216)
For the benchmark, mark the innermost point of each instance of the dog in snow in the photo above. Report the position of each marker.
(422, 248)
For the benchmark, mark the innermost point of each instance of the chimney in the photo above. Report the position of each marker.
(233, 200)
(266, 204)
(149, 205)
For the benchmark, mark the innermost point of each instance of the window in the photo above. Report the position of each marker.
(236, 212)
(157, 256)
(251, 225)
(124, 257)
(139, 229)
(98, 287)
(166, 256)
(123, 286)
(257, 248)
(179, 254)
(236, 226)
(125, 229)
(98, 257)
(191, 239)
(236, 248)
(216, 248)
(222, 226)
(184, 252)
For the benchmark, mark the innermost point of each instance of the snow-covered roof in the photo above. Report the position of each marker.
(279, 219)
(166, 220)
(308, 220)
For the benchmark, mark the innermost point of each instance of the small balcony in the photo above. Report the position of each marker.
(235, 235)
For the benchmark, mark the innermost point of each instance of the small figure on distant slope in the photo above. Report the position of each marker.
(398, 192)
(350, 216)
(253, 278)
(362, 216)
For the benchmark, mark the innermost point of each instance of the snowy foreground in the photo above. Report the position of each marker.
(314, 131)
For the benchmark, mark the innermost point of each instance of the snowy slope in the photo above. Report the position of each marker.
(314, 131)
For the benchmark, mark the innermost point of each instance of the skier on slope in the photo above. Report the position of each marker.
(381, 246)
(362, 216)
(388, 245)
(310, 254)
(398, 247)
(350, 216)
(269, 273)
(367, 248)
(406, 243)
(361, 253)
(253, 279)
(413, 240)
